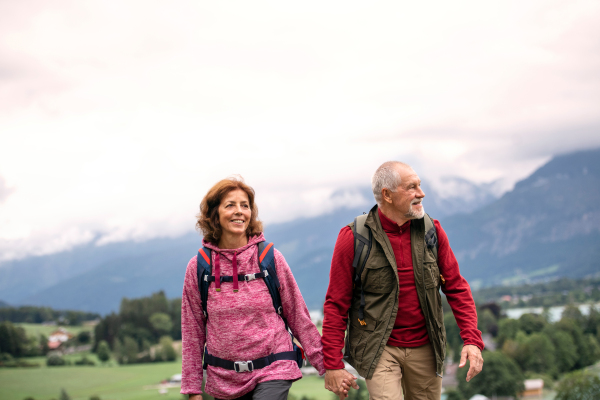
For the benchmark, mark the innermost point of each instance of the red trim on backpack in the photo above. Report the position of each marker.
(203, 254)
(265, 251)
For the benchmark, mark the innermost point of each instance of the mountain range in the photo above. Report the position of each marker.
(547, 226)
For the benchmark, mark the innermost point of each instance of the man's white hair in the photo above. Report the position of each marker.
(387, 176)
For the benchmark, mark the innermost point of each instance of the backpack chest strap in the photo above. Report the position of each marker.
(247, 277)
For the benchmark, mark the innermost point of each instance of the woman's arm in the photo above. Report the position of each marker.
(193, 334)
(297, 316)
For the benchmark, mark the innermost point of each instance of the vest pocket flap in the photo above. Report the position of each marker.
(432, 275)
(429, 257)
(377, 260)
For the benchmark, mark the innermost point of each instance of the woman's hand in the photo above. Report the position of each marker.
(195, 397)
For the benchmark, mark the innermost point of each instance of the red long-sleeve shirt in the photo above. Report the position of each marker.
(409, 327)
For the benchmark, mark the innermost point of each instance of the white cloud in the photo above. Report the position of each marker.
(115, 118)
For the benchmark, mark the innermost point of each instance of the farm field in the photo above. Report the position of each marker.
(111, 382)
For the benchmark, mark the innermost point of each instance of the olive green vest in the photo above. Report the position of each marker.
(365, 344)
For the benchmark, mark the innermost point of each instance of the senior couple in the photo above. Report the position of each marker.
(242, 309)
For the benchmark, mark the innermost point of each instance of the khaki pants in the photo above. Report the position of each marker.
(408, 370)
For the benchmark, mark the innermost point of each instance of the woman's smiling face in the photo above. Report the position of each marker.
(234, 213)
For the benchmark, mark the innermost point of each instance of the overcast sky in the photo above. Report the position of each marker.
(117, 116)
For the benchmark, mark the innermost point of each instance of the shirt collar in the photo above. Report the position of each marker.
(390, 226)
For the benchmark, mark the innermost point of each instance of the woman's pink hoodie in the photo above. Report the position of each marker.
(243, 325)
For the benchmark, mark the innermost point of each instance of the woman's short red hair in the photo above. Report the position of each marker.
(208, 218)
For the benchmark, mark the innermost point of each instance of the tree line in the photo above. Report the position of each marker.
(142, 331)
(558, 292)
(528, 347)
(38, 315)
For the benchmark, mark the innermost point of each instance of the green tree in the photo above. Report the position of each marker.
(536, 354)
(507, 329)
(44, 344)
(487, 323)
(166, 349)
(108, 329)
(118, 350)
(579, 385)
(500, 376)
(161, 323)
(566, 350)
(55, 360)
(586, 348)
(453, 394)
(530, 323)
(573, 313)
(453, 335)
(84, 337)
(103, 351)
(129, 350)
(13, 339)
(592, 321)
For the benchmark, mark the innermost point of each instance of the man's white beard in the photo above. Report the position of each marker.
(413, 214)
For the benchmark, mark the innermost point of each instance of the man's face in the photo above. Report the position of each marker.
(408, 196)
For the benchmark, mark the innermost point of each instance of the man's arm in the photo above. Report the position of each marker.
(335, 311)
(458, 294)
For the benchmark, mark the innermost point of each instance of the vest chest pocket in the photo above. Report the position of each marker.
(378, 276)
(431, 270)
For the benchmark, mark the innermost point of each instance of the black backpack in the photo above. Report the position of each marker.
(268, 273)
(362, 247)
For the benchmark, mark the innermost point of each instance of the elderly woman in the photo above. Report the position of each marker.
(240, 322)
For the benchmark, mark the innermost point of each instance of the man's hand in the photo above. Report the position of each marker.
(339, 382)
(473, 354)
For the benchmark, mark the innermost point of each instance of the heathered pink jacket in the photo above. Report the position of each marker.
(243, 325)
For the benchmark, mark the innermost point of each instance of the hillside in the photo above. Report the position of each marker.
(96, 278)
(547, 226)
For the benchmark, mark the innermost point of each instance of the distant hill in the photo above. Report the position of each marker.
(95, 278)
(548, 226)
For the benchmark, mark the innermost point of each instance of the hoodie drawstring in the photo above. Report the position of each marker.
(217, 272)
(235, 272)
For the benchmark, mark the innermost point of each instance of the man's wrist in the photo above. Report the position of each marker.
(334, 364)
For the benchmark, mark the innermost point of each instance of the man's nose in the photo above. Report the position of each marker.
(420, 193)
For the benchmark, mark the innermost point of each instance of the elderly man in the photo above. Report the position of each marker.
(390, 302)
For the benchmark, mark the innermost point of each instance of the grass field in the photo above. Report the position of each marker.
(111, 382)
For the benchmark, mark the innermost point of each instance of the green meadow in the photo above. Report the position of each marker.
(111, 382)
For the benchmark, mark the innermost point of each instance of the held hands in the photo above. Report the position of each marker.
(473, 354)
(339, 382)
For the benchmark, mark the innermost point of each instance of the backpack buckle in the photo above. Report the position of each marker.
(249, 277)
(243, 366)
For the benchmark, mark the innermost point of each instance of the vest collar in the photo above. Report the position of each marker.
(374, 223)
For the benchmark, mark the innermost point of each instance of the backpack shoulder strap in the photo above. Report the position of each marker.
(203, 271)
(266, 261)
(431, 235)
(362, 248)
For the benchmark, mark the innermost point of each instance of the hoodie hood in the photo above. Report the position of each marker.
(252, 241)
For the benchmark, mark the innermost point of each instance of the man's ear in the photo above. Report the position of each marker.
(386, 194)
